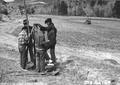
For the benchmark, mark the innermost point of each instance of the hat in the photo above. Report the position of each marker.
(48, 20)
(25, 21)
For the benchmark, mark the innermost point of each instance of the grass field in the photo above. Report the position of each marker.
(85, 52)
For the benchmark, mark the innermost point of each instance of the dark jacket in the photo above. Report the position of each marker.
(39, 40)
(51, 33)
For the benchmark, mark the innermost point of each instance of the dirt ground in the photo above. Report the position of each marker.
(85, 52)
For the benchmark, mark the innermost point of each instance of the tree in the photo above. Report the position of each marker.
(56, 7)
(63, 8)
(116, 9)
(3, 8)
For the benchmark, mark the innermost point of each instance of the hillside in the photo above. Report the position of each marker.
(99, 8)
(96, 8)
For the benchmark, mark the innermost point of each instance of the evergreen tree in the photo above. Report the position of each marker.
(63, 8)
(116, 9)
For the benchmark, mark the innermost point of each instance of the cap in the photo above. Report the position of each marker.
(48, 20)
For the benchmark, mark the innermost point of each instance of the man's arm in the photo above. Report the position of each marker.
(42, 28)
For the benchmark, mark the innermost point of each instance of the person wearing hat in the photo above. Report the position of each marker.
(51, 34)
(27, 46)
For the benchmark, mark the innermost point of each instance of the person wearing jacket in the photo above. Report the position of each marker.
(41, 52)
(51, 34)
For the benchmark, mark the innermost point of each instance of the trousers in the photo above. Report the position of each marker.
(23, 49)
(40, 61)
(52, 53)
(23, 56)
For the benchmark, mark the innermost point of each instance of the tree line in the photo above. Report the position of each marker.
(96, 8)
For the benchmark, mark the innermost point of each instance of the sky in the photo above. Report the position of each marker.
(8, 0)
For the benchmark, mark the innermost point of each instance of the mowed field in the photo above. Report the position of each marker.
(85, 52)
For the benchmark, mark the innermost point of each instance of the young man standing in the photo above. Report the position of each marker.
(51, 34)
(41, 54)
(25, 44)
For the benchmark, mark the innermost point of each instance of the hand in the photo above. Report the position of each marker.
(29, 34)
(36, 24)
(48, 41)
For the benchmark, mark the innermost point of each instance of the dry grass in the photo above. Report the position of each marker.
(99, 38)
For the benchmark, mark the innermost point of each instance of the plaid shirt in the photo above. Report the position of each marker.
(22, 38)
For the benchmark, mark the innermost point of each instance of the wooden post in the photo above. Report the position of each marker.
(26, 15)
(25, 7)
(25, 10)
